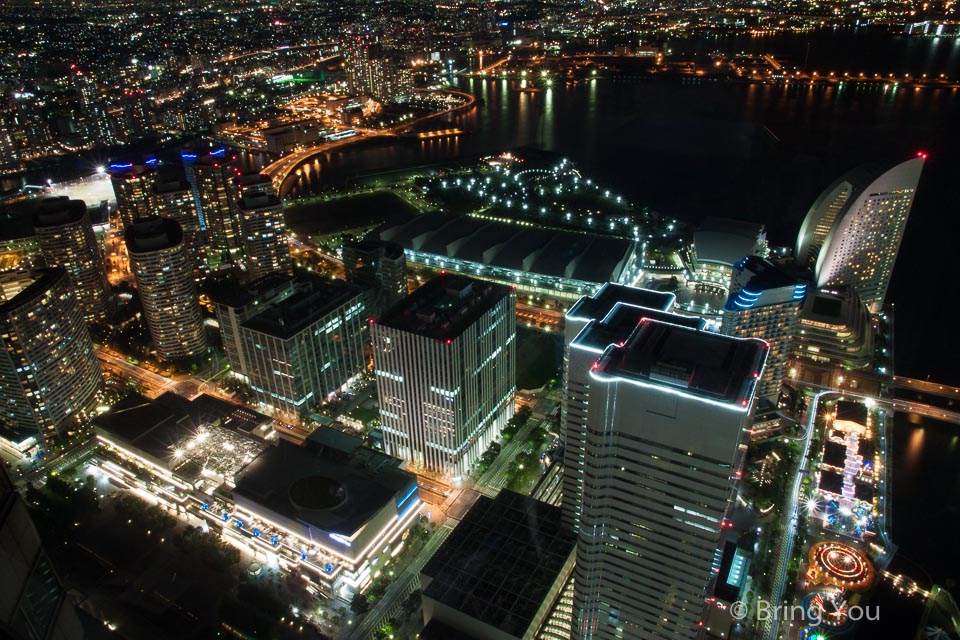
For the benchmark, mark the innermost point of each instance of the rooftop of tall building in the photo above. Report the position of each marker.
(714, 367)
(501, 561)
(153, 234)
(445, 306)
(597, 307)
(617, 325)
(312, 298)
(391, 250)
(18, 288)
(258, 200)
(53, 212)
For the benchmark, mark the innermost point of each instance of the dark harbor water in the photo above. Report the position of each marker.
(763, 153)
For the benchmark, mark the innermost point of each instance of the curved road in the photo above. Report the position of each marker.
(282, 168)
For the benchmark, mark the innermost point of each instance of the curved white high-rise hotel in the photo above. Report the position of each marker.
(168, 294)
(852, 232)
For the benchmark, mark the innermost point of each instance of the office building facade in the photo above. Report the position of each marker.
(49, 374)
(764, 303)
(266, 248)
(445, 359)
(66, 238)
(168, 293)
(666, 416)
(852, 233)
(297, 342)
(591, 325)
(379, 268)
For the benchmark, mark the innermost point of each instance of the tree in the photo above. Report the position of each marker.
(359, 605)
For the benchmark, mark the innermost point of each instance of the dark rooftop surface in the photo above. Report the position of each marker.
(724, 240)
(391, 250)
(610, 294)
(708, 365)
(617, 325)
(233, 294)
(52, 212)
(153, 234)
(852, 411)
(764, 274)
(153, 427)
(258, 201)
(313, 298)
(438, 630)
(43, 280)
(445, 306)
(499, 563)
(550, 252)
(361, 483)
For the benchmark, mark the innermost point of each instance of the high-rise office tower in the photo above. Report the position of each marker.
(33, 602)
(173, 198)
(592, 324)
(666, 416)
(764, 303)
(445, 359)
(168, 294)
(378, 267)
(66, 238)
(294, 340)
(132, 180)
(49, 374)
(852, 233)
(212, 175)
(235, 304)
(265, 245)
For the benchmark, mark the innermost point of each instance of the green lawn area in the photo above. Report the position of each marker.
(539, 357)
(317, 217)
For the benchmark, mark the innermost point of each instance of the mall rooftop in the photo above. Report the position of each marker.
(547, 252)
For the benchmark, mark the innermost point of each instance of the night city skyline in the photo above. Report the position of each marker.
(482, 320)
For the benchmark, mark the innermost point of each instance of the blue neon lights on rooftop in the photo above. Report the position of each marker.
(188, 156)
(151, 161)
(122, 166)
(218, 152)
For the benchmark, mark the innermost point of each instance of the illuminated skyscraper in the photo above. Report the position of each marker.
(294, 340)
(592, 324)
(764, 303)
(132, 180)
(173, 198)
(378, 267)
(852, 233)
(212, 174)
(49, 372)
(265, 245)
(168, 294)
(663, 446)
(67, 240)
(445, 362)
